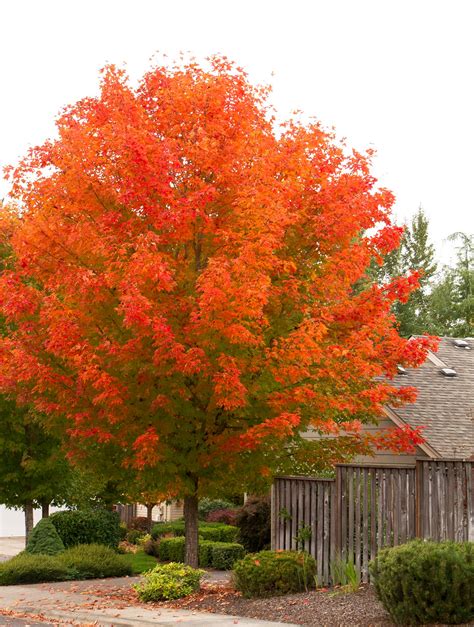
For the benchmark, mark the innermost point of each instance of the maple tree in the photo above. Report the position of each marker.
(181, 288)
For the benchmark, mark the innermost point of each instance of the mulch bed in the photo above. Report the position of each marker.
(322, 607)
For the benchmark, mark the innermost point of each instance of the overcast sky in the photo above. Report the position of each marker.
(395, 75)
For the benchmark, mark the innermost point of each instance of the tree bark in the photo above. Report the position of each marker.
(191, 530)
(28, 509)
(44, 509)
(149, 514)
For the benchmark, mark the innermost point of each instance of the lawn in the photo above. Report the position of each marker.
(140, 561)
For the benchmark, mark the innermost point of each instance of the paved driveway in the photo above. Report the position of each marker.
(11, 546)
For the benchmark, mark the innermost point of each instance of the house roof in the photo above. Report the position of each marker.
(445, 404)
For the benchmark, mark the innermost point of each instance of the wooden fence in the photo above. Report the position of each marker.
(367, 507)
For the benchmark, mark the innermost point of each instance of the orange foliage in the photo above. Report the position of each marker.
(184, 272)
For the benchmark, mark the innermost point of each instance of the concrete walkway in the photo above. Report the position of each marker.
(77, 602)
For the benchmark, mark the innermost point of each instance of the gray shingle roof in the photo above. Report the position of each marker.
(445, 405)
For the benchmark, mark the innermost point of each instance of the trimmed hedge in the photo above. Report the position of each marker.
(225, 554)
(168, 581)
(31, 568)
(271, 573)
(426, 582)
(44, 539)
(95, 561)
(87, 527)
(171, 549)
(215, 532)
(219, 555)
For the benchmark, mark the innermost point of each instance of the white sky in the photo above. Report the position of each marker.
(396, 75)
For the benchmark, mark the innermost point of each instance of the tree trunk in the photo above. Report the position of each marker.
(28, 509)
(191, 530)
(45, 509)
(149, 514)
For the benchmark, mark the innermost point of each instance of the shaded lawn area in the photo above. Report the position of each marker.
(140, 561)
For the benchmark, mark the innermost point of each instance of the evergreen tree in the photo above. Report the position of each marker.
(415, 253)
(452, 299)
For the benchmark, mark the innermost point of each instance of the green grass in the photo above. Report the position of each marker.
(140, 561)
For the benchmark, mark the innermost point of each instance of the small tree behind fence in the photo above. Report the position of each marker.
(368, 507)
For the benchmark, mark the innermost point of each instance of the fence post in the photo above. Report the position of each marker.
(273, 529)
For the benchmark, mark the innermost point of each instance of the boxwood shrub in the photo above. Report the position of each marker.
(171, 549)
(426, 582)
(34, 568)
(271, 573)
(44, 539)
(87, 527)
(168, 581)
(215, 532)
(95, 561)
(225, 554)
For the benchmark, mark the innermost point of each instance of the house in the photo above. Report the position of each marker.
(444, 406)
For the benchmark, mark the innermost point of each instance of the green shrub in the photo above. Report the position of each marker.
(225, 554)
(87, 527)
(171, 549)
(123, 531)
(205, 553)
(218, 533)
(206, 506)
(30, 568)
(134, 536)
(215, 532)
(44, 539)
(426, 582)
(270, 573)
(167, 529)
(95, 561)
(253, 522)
(168, 581)
(150, 547)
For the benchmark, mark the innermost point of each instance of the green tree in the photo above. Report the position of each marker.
(415, 253)
(33, 469)
(452, 298)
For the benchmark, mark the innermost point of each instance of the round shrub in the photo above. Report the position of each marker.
(206, 506)
(44, 539)
(426, 582)
(95, 561)
(271, 573)
(253, 521)
(168, 581)
(31, 568)
(226, 516)
(87, 527)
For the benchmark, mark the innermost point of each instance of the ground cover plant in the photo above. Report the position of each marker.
(87, 561)
(271, 573)
(168, 581)
(44, 539)
(426, 582)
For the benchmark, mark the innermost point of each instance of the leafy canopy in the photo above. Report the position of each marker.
(181, 289)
